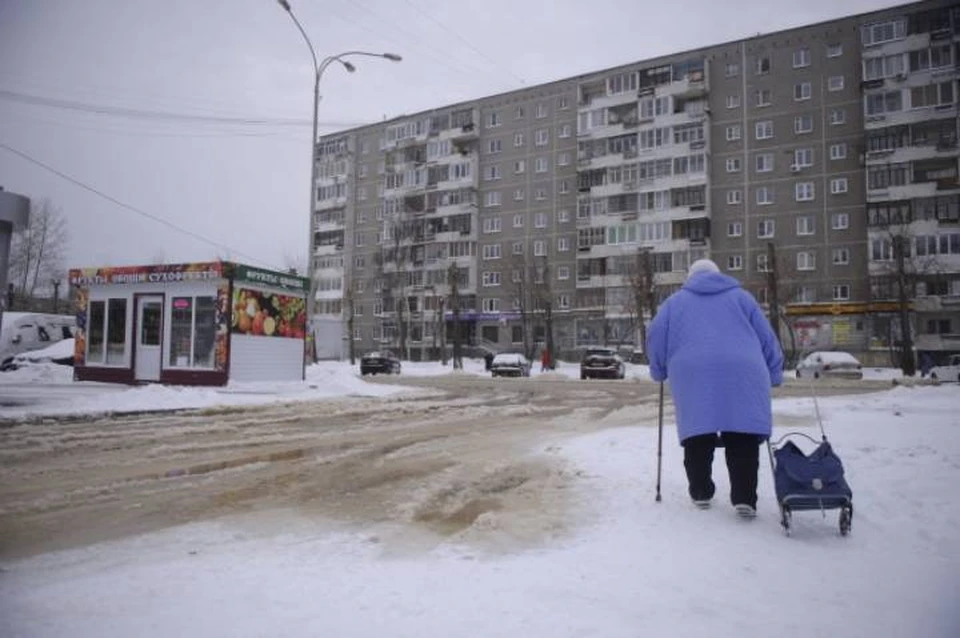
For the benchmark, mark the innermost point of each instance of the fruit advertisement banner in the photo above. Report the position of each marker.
(266, 314)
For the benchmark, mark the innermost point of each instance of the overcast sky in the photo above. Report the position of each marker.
(246, 186)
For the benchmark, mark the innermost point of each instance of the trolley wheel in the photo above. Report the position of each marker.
(785, 518)
(846, 520)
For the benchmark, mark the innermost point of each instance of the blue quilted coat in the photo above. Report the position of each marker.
(711, 340)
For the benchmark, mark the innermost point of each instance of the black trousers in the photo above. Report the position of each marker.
(743, 462)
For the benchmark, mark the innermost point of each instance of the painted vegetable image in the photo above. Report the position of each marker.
(268, 315)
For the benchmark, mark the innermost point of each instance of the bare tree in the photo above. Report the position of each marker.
(543, 299)
(522, 297)
(643, 297)
(453, 277)
(349, 307)
(37, 252)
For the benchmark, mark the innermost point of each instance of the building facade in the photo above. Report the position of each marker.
(564, 212)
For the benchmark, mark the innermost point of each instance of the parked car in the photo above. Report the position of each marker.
(61, 353)
(830, 364)
(510, 364)
(949, 372)
(26, 331)
(382, 362)
(602, 362)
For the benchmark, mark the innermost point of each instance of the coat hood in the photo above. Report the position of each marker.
(710, 283)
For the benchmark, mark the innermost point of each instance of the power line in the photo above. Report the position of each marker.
(134, 209)
(486, 57)
(155, 115)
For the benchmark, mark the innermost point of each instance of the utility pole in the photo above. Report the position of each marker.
(907, 363)
(454, 279)
(773, 290)
(56, 296)
(351, 314)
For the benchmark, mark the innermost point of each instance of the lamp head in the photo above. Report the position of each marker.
(393, 57)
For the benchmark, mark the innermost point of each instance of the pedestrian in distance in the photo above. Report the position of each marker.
(545, 360)
(711, 340)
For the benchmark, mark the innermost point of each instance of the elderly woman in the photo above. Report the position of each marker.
(716, 347)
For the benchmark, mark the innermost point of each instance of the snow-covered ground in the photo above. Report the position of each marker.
(41, 389)
(631, 567)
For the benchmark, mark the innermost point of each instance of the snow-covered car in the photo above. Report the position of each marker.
(830, 364)
(602, 362)
(26, 331)
(510, 364)
(949, 372)
(384, 362)
(60, 352)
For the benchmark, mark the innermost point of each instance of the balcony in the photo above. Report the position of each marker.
(332, 202)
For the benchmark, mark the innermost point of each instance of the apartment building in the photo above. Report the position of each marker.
(910, 71)
(563, 200)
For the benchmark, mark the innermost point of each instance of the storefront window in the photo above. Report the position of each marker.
(116, 330)
(192, 332)
(95, 321)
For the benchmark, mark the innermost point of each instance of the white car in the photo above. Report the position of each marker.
(830, 364)
(949, 372)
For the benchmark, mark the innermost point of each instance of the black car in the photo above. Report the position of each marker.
(383, 362)
(602, 362)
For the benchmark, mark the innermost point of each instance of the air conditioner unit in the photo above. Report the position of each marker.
(795, 168)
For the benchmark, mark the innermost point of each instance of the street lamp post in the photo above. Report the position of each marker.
(318, 69)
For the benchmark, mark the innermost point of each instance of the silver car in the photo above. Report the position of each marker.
(830, 364)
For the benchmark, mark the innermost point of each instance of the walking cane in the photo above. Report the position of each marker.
(659, 440)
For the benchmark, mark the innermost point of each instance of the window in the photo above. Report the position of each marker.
(764, 195)
(493, 119)
(764, 130)
(733, 101)
(841, 256)
(491, 251)
(731, 69)
(490, 305)
(362, 171)
(563, 244)
(540, 220)
(801, 58)
(492, 198)
(518, 195)
(193, 331)
(733, 133)
(803, 157)
(519, 167)
(764, 162)
(539, 248)
(838, 185)
(520, 112)
(518, 140)
(838, 116)
(838, 151)
(542, 137)
(764, 97)
(563, 159)
(493, 172)
(763, 262)
(804, 191)
(733, 165)
(489, 279)
(834, 50)
(491, 225)
(494, 146)
(541, 110)
(540, 194)
(565, 131)
(563, 216)
(884, 66)
(885, 102)
(841, 292)
(880, 32)
(802, 91)
(806, 260)
(835, 83)
(518, 248)
(840, 221)
(540, 165)
(803, 124)
(763, 65)
(765, 229)
(564, 102)
(805, 225)
(734, 229)
(735, 262)
(935, 57)
(734, 197)
(106, 332)
(806, 294)
(563, 273)
(940, 94)
(564, 187)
